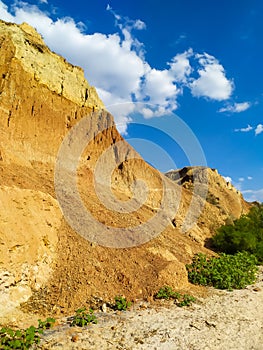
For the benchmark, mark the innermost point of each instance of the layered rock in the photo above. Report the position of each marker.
(41, 95)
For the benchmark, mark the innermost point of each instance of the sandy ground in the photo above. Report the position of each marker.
(222, 321)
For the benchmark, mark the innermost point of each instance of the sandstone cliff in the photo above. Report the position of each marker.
(44, 262)
(40, 92)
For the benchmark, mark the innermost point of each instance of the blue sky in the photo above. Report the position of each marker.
(198, 60)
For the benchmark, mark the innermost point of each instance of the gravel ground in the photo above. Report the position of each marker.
(223, 321)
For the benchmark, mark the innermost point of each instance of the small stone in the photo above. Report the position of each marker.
(256, 289)
(74, 338)
(143, 307)
(104, 307)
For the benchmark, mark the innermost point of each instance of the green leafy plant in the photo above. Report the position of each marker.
(185, 300)
(167, 293)
(83, 318)
(23, 338)
(223, 272)
(244, 234)
(47, 324)
(19, 339)
(121, 304)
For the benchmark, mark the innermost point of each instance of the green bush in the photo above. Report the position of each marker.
(83, 318)
(223, 272)
(167, 293)
(245, 234)
(23, 338)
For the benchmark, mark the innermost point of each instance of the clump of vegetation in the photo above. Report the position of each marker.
(245, 234)
(167, 293)
(47, 324)
(23, 338)
(121, 303)
(83, 317)
(223, 272)
(185, 300)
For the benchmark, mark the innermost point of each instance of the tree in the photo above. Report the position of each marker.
(245, 234)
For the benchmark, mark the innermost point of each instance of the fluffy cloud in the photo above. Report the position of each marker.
(212, 81)
(236, 107)
(180, 66)
(115, 63)
(258, 129)
(247, 129)
(164, 80)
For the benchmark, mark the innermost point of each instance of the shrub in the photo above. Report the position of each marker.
(223, 272)
(82, 317)
(245, 234)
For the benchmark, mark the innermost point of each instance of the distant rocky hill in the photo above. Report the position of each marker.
(220, 193)
(45, 265)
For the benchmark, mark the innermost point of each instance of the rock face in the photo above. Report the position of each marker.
(223, 204)
(40, 92)
(220, 194)
(44, 262)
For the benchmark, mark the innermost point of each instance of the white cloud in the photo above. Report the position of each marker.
(4, 14)
(116, 65)
(236, 107)
(163, 79)
(228, 179)
(180, 66)
(138, 24)
(212, 81)
(250, 178)
(147, 113)
(258, 129)
(253, 195)
(43, 1)
(241, 179)
(126, 26)
(247, 129)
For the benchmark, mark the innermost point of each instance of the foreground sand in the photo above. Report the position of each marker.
(224, 320)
